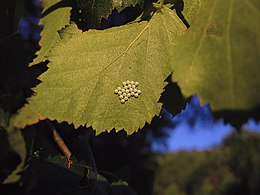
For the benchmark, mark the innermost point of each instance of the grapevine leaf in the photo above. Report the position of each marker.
(52, 22)
(77, 179)
(122, 4)
(218, 58)
(85, 70)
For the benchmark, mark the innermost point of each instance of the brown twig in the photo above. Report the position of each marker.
(62, 146)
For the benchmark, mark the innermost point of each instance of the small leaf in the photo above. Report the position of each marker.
(218, 58)
(86, 69)
(52, 22)
(17, 144)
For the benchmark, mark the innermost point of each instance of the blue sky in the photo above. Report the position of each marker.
(204, 134)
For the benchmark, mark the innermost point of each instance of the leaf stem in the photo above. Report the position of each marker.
(61, 144)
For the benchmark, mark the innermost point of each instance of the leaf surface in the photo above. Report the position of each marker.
(218, 58)
(54, 21)
(86, 68)
(191, 9)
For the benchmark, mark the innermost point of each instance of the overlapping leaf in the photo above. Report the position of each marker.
(218, 58)
(93, 11)
(86, 68)
(17, 144)
(191, 9)
(122, 4)
(56, 19)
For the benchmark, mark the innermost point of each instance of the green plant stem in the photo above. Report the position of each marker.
(61, 144)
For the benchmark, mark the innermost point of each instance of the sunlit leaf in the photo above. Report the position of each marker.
(218, 58)
(54, 19)
(86, 69)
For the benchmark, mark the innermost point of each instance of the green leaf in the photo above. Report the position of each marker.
(122, 4)
(17, 144)
(86, 69)
(94, 10)
(77, 167)
(191, 9)
(218, 58)
(52, 22)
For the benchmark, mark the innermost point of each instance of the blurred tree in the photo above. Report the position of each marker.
(231, 169)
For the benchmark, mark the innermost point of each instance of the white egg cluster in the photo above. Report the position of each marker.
(128, 90)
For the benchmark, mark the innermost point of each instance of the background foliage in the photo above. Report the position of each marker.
(233, 168)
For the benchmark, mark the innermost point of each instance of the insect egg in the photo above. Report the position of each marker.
(128, 90)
